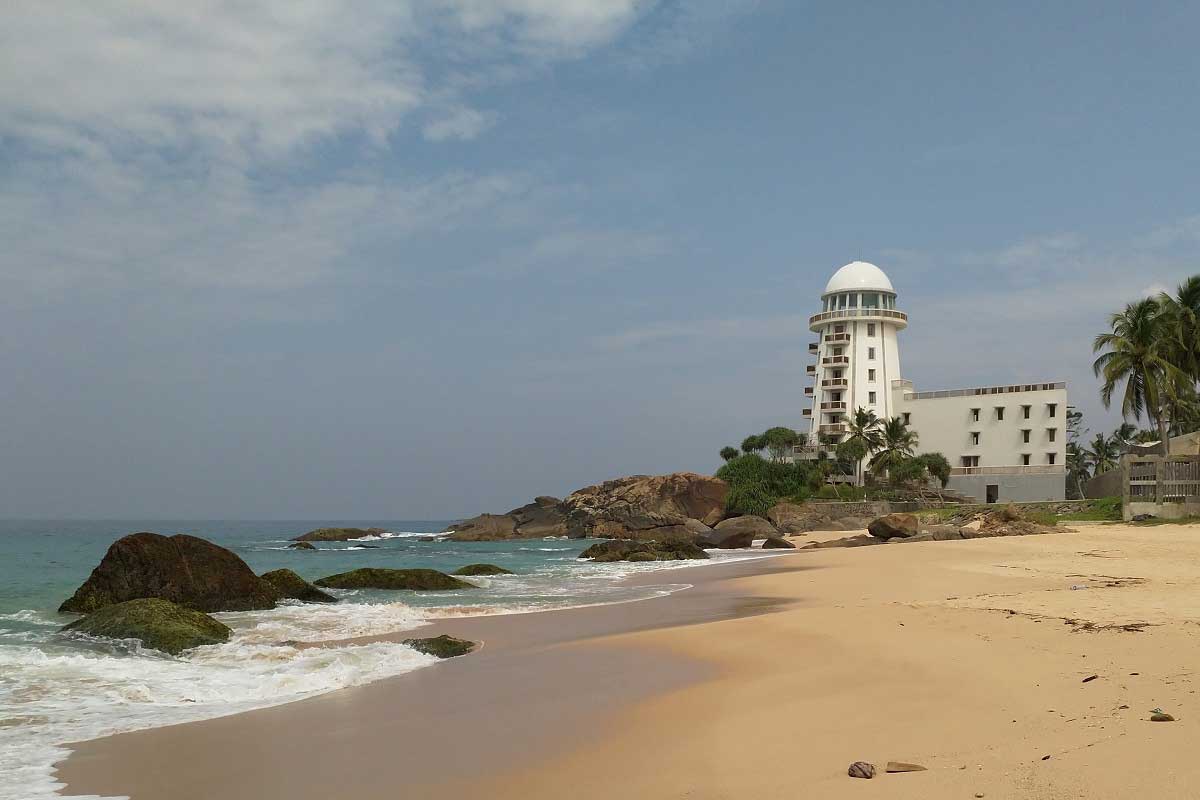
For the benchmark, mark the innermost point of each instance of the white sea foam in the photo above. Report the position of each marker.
(313, 622)
(396, 535)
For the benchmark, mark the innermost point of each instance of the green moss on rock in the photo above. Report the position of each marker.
(627, 550)
(482, 569)
(158, 624)
(291, 585)
(417, 580)
(441, 646)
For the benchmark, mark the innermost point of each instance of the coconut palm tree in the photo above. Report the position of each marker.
(1138, 352)
(1077, 467)
(1182, 314)
(1103, 454)
(865, 436)
(899, 445)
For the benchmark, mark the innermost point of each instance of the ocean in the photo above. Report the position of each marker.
(56, 689)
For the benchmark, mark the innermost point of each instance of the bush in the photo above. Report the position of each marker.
(756, 484)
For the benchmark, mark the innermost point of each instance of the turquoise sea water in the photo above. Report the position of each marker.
(55, 689)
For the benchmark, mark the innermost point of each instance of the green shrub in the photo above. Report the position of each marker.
(756, 484)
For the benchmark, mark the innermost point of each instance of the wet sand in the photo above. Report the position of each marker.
(969, 658)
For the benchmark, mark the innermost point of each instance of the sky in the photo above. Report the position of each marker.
(418, 259)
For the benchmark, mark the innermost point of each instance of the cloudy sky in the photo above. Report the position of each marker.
(415, 259)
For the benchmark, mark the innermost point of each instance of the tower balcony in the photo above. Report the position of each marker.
(835, 361)
(834, 406)
(836, 427)
(898, 319)
(835, 383)
(837, 337)
(813, 347)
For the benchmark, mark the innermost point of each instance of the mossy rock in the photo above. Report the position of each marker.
(441, 646)
(416, 580)
(627, 550)
(338, 534)
(159, 624)
(482, 569)
(291, 585)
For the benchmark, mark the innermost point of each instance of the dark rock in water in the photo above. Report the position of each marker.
(417, 580)
(159, 624)
(365, 547)
(338, 534)
(301, 546)
(861, 769)
(183, 569)
(901, 766)
(441, 646)
(629, 550)
(292, 586)
(777, 543)
(427, 538)
(542, 517)
(481, 569)
(895, 526)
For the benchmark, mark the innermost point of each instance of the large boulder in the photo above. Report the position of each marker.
(645, 506)
(338, 534)
(628, 550)
(792, 518)
(861, 540)
(158, 624)
(417, 580)
(481, 569)
(543, 517)
(737, 533)
(183, 569)
(895, 526)
(301, 546)
(777, 543)
(292, 586)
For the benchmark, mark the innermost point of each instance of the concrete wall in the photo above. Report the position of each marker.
(1163, 511)
(1106, 484)
(1013, 488)
(837, 510)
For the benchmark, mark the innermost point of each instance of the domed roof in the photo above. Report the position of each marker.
(859, 275)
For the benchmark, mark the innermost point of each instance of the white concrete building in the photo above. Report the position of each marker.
(1004, 442)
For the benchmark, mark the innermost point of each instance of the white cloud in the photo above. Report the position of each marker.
(458, 123)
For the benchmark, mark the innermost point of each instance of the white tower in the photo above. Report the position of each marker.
(857, 354)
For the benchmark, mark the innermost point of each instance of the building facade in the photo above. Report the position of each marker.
(1005, 443)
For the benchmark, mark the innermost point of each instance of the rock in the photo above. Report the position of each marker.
(183, 569)
(1143, 517)
(861, 769)
(427, 538)
(416, 580)
(158, 624)
(791, 518)
(292, 586)
(894, 526)
(301, 546)
(627, 550)
(543, 517)
(441, 646)
(974, 525)
(696, 528)
(737, 533)
(641, 506)
(862, 540)
(338, 534)
(777, 543)
(848, 524)
(901, 766)
(481, 569)
(1161, 716)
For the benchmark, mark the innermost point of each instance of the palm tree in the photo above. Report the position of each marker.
(1103, 454)
(1077, 466)
(865, 437)
(1182, 313)
(899, 445)
(1125, 434)
(1138, 353)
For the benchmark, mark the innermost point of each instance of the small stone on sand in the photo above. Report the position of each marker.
(861, 769)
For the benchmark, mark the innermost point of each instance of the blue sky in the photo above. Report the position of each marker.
(421, 259)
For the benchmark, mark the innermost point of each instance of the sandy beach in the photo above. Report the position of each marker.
(766, 680)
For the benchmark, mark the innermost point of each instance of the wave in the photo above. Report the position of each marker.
(398, 535)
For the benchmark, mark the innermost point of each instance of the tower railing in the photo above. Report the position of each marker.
(857, 313)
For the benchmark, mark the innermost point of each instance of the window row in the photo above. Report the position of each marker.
(1026, 412)
(1026, 460)
(836, 302)
(1026, 434)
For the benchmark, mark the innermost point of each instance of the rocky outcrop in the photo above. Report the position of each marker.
(629, 550)
(183, 569)
(895, 526)
(645, 506)
(338, 534)
(543, 517)
(158, 624)
(481, 569)
(292, 586)
(777, 543)
(301, 546)
(862, 540)
(416, 580)
(441, 646)
(743, 529)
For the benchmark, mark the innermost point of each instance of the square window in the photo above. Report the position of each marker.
(1052, 433)
(1025, 410)
(1025, 436)
(1051, 457)
(1000, 413)
(975, 437)
(870, 329)
(1025, 459)
(871, 398)
(871, 353)
(975, 415)
(870, 374)
(1052, 408)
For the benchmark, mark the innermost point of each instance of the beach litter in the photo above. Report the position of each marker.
(1090, 678)
(861, 769)
(902, 766)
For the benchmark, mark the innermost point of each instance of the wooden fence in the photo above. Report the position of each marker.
(1162, 486)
